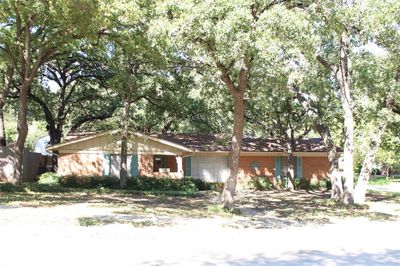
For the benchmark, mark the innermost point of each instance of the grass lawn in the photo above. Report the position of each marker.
(383, 180)
(254, 208)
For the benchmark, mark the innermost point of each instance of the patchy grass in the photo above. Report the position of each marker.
(306, 206)
(154, 208)
(382, 180)
(382, 196)
(99, 221)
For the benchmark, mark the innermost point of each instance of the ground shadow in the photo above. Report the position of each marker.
(301, 257)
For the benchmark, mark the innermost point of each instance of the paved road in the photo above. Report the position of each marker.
(51, 237)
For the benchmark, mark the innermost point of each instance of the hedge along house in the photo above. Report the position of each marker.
(203, 156)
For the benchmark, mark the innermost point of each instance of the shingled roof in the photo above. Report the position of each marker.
(74, 135)
(220, 143)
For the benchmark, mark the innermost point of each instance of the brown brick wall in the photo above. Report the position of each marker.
(80, 164)
(145, 165)
(266, 165)
(315, 167)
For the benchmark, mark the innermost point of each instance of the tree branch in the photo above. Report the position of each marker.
(325, 63)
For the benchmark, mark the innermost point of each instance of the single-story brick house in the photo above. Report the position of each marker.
(201, 156)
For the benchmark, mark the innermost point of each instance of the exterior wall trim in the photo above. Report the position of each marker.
(143, 136)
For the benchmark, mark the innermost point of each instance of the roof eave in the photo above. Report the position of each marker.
(165, 142)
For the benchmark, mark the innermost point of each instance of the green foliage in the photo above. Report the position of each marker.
(74, 181)
(314, 184)
(37, 130)
(31, 187)
(49, 179)
(162, 184)
(261, 183)
(50, 182)
(383, 180)
(9, 187)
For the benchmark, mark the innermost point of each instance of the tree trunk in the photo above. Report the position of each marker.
(333, 158)
(3, 141)
(4, 93)
(344, 78)
(290, 167)
(123, 172)
(348, 170)
(234, 153)
(22, 129)
(54, 133)
(343, 74)
(361, 188)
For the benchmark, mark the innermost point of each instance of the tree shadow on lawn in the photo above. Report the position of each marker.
(135, 201)
(302, 207)
(257, 209)
(315, 257)
(381, 196)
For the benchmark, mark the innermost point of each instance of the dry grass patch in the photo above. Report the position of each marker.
(306, 206)
(258, 208)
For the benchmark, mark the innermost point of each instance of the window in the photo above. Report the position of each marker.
(159, 161)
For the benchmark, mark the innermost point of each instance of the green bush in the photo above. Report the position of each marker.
(162, 184)
(186, 184)
(49, 179)
(9, 187)
(261, 183)
(314, 184)
(200, 184)
(74, 181)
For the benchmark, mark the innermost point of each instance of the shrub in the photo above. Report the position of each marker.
(74, 181)
(9, 187)
(314, 184)
(188, 185)
(261, 183)
(49, 179)
(201, 184)
(162, 184)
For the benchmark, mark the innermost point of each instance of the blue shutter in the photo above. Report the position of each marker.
(106, 164)
(134, 165)
(188, 167)
(299, 172)
(278, 167)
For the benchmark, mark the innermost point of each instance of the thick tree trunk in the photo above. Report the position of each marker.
(22, 129)
(333, 158)
(234, 153)
(4, 93)
(343, 73)
(123, 172)
(361, 188)
(54, 133)
(344, 79)
(348, 171)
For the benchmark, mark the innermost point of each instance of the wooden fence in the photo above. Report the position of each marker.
(34, 164)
